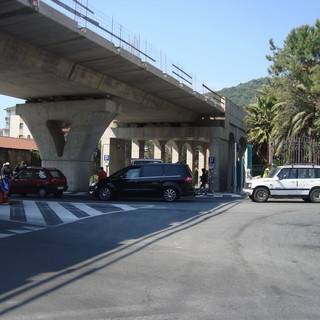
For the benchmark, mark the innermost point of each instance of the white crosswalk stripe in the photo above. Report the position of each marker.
(37, 215)
(19, 231)
(88, 210)
(4, 212)
(64, 214)
(5, 235)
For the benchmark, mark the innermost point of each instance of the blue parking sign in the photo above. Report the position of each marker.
(106, 157)
(212, 162)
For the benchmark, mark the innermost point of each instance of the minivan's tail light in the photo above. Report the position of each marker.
(188, 179)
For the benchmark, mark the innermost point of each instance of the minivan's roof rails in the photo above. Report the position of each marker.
(299, 164)
(141, 161)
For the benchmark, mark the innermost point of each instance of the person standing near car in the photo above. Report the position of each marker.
(16, 169)
(22, 166)
(6, 171)
(266, 171)
(101, 174)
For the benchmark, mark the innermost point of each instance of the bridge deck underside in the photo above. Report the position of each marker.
(96, 68)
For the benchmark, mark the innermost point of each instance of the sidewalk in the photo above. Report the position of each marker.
(219, 195)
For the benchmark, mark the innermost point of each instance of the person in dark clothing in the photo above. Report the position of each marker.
(22, 166)
(16, 169)
(6, 171)
(203, 180)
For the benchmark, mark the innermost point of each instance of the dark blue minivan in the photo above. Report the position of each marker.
(168, 180)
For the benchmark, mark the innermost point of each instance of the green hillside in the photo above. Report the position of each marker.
(244, 93)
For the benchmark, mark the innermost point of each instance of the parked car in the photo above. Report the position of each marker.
(167, 180)
(289, 181)
(38, 180)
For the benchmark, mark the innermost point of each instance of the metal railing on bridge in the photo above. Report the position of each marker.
(96, 21)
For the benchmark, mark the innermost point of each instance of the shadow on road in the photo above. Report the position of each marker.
(49, 259)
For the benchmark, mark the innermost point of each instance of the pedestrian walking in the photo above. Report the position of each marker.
(203, 180)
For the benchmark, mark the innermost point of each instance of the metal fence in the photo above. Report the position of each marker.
(93, 19)
(299, 150)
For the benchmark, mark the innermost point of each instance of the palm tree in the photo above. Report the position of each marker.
(260, 120)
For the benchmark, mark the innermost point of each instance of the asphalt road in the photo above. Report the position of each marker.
(207, 258)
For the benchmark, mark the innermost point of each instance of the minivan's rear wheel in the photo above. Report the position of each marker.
(42, 193)
(260, 195)
(105, 194)
(170, 194)
(315, 195)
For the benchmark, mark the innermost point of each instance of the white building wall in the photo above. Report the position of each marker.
(15, 126)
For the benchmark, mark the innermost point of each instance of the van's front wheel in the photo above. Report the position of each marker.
(261, 195)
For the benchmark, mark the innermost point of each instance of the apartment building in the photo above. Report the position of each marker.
(15, 126)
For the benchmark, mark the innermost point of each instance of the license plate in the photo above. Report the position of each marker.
(60, 188)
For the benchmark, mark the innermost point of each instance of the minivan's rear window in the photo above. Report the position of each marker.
(152, 171)
(175, 171)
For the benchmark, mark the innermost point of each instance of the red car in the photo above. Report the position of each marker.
(38, 180)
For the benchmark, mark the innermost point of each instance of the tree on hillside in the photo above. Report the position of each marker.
(244, 93)
(296, 81)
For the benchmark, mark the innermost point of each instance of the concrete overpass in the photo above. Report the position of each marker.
(76, 83)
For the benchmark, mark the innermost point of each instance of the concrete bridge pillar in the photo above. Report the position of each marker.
(157, 149)
(174, 150)
(180, 146)
(160, 150)
(137, 149)
(117, 155)
(189, 156)
(175, 153)
(67, 134)
(219, 150)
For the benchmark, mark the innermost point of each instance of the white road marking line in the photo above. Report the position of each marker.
(5, 235)
(33, 214)
(20, 231)
(4, 212)
(33, 228)
(87, 209)
(64, 214)
(125, 207)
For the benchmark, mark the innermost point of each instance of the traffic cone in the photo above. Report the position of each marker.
(4, 198)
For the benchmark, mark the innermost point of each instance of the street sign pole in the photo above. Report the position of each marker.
(212, 165)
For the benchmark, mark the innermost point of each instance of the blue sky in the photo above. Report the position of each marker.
(222, 43)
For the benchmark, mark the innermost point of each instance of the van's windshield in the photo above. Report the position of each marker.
(273, 172)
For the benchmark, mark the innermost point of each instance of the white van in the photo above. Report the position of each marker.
(289, 181)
